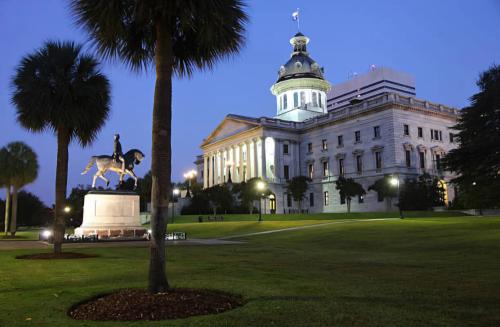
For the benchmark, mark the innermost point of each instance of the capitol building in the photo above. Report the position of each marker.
(367, 127)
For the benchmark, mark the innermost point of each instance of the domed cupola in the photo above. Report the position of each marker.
(301, 88)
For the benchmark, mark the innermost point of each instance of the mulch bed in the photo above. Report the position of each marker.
(52, 256)
(136, 304)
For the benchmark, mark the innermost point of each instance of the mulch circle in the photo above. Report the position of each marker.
(52, 256)
(136, 304)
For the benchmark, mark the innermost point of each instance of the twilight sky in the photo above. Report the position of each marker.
(445, 44)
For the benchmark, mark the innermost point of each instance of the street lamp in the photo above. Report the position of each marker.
(261, 186)
(394, 181)
(175, 192)
(189, 176)
(67, 209)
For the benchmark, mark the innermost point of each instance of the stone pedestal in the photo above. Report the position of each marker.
(111, 214)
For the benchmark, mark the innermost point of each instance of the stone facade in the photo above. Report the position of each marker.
(386, 134)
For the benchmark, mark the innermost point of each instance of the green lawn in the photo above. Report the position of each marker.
(427, 271)
(321, 216)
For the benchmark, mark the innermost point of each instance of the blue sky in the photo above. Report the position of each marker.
(445, 44)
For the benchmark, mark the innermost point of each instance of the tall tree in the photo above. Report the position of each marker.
(175, 36)
(24, 170)
(5, 173)
(297, 187)
(349, 188)
(60, 88)
(476, 160)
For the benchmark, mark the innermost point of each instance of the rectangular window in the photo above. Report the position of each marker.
(452, 138)
(285, 148)
(378, 160)
(342, 199)
(357, 136)
(288, 200)
(281, 103)
(420, 132)
(311, 199)
(359, 164)
(340, 140)
(325, 169)
(406, 129)
(315, 99)
(422, 159)
(286, 172)
(324, 145)
(438, 162)
(408, 158)
(361, 199)
(320, 100)
(376, 132)
(432, 134)
(436, 135)
(440, 136)
(310, 171)
(302, 98)
(309, 147)
(285, 102)
(326, 198)
(295, 99)
(341, 167)
(380, 197)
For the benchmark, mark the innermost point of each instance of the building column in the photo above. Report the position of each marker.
(240, 163)
(248, 161)
(211, 170)
(278, 163)
(216, 170)
(255, 158)
(205, 171)
(263, 157)
(221, 168)
(233, 163)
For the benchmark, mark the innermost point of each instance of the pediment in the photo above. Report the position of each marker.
(230, 126)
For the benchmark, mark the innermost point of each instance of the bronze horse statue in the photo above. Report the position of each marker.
(105, 163)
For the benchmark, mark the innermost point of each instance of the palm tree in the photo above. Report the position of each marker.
(5, 172)
(177, 37)
(60, 88)
(24, 166)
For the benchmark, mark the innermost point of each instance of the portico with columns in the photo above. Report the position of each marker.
(386, 134)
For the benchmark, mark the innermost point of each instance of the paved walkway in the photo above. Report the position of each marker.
(16, 245)
(304, 227)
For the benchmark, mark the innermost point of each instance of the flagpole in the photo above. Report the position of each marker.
(298, 20)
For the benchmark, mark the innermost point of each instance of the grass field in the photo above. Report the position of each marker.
(411, 272)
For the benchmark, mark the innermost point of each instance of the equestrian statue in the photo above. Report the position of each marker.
(122, 164)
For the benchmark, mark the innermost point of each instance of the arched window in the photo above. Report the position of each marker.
(320, 100)
(281, 103)
(315, 99)
(285, 102)
(295, 99)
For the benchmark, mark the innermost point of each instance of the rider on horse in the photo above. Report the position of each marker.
(117, 152)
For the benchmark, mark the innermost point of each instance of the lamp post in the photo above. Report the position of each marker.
(394, 181)
(261, 186)
(189, 176)
(175, 192)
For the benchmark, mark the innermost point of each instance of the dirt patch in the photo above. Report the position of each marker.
(53, 256)
(136, 304)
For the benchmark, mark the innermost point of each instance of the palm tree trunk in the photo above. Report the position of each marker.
(161, 159)
(7, 208)
(13, 220)
(61, 185)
